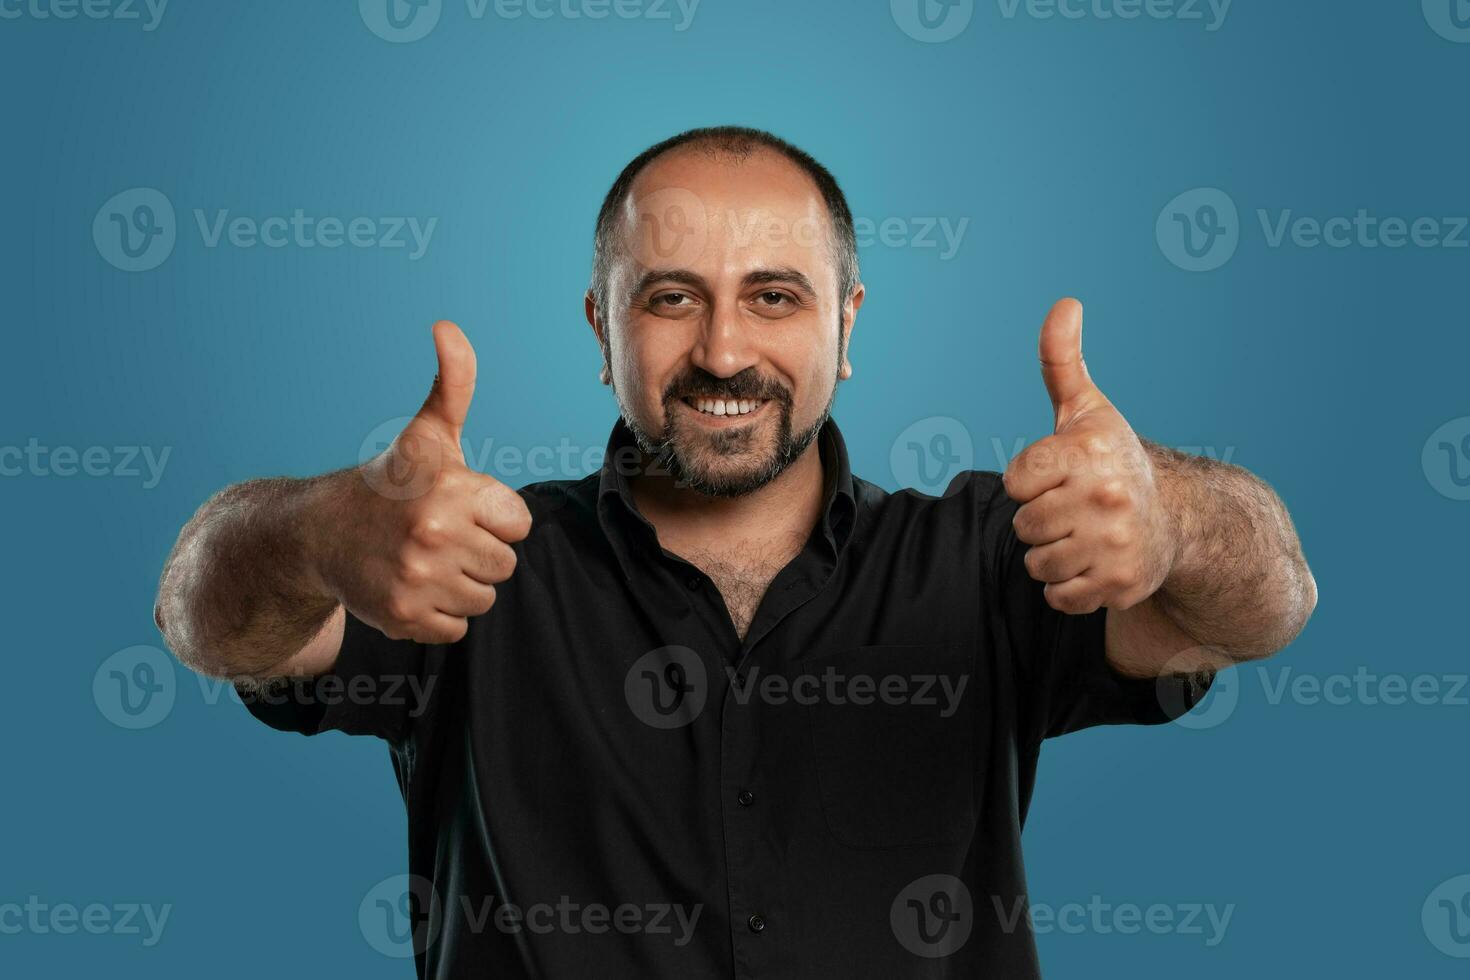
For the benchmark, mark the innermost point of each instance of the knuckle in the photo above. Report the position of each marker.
(508, 511)
(505, 564)
(1111, 493)
(1008, 478)
(399, 611)
(429, 531)
(412, 572)
(519, 520)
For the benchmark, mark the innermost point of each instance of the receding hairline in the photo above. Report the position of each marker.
(736, 144)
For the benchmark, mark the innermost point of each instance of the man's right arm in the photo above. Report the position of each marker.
(412, 543)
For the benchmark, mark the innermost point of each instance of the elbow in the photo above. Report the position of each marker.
(1298, 601)
(180, 630)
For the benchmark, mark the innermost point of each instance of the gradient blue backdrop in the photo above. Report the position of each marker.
(1324, 370)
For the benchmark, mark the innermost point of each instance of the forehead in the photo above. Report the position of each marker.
(715, 212)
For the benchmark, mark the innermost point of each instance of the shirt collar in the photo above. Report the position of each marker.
(624, 526)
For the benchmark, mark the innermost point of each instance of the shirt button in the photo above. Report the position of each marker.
(694, 583)
(746, 797)
(756, 923)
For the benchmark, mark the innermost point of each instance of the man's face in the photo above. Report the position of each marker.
(725, 335)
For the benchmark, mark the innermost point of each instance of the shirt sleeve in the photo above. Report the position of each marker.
(1064, 680)
(376, 687)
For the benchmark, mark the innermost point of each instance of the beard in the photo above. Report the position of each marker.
(725, 462)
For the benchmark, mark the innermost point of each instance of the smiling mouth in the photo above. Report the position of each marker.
(725, 407)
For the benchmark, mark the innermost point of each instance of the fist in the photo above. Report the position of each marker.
(1090, 510)
(420, 539)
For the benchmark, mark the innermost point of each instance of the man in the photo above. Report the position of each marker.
(725, 709)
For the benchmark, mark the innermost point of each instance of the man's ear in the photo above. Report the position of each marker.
(849, 317)
(599, 330)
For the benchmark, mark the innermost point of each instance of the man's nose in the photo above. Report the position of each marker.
(726, 345)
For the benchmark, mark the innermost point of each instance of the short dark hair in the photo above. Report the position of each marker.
(731, 141)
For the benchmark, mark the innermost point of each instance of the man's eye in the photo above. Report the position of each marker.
(670, 300)
(774, 298)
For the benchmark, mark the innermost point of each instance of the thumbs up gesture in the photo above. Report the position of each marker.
(1090, 508)
(418, 539)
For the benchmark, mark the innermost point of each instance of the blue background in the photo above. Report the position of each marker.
(1324, 370)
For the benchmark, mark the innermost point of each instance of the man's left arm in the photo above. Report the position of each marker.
(1196, 560)
(1238, 587)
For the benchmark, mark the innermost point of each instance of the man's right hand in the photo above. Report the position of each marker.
(416, 541)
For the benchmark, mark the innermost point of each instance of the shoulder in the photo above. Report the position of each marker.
(971, 495)
(561, 503)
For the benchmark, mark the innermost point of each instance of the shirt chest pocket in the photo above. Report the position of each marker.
(893, 737)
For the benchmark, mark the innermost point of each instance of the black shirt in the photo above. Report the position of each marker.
(602, 779)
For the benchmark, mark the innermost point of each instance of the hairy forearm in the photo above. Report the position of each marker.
(240, 592)
(1239, 585)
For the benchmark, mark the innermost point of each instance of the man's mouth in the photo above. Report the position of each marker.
(725, 407)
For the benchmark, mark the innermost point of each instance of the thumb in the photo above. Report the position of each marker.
(454, 386)
(1062, 367)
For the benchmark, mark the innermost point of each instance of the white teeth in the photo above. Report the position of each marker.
(721, 407)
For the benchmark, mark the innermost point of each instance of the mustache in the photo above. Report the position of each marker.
(748, 385)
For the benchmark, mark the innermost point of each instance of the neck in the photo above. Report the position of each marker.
(792, 502)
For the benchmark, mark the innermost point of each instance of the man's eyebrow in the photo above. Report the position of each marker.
(759, 277)
(681, 276)
(789, 276)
